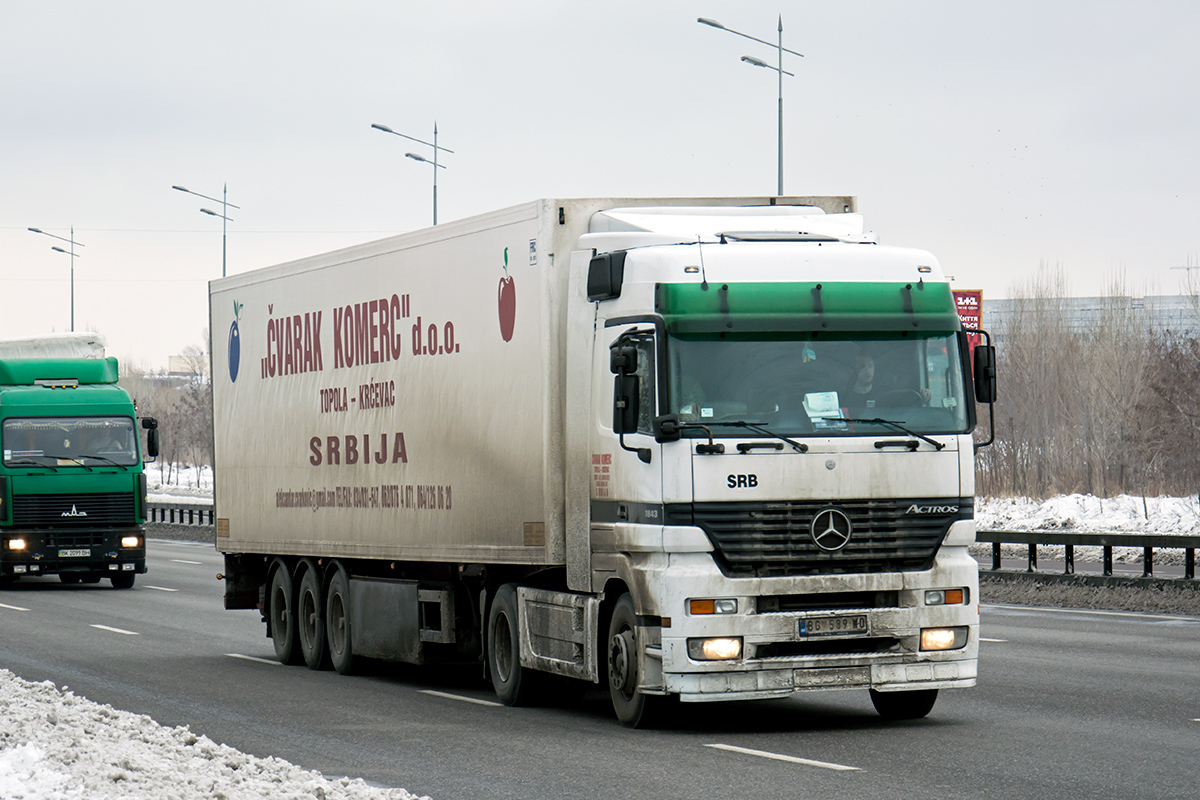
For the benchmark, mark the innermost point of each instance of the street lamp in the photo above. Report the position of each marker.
(712, 23)
(436, 147)
(71, 253)
(224, 215)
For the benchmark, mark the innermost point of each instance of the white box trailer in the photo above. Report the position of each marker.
(603, 439)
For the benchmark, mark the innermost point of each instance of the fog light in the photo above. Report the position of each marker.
(112, 567)
(943, 638)
(16, 544)
(34, 568)
(723, 649)
(724, 606)
(131, 541)
(128, 567)
(19, 568)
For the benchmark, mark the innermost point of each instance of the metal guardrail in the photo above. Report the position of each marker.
(180, 513)
(1106, 541)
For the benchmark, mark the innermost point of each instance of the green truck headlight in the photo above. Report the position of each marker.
(15, 544)
(131, 541)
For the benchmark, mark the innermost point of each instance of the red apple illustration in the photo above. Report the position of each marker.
(508, 302)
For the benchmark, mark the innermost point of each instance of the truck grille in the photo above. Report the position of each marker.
(775, 538)
(57, 510)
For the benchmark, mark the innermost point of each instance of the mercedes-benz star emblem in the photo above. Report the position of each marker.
(831, 529)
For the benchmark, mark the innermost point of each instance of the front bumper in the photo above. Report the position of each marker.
(80, 550)
(778, 660)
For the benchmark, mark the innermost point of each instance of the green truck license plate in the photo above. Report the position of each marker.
(830, 626)
(77, 553)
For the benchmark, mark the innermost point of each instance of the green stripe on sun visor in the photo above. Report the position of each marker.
(825, 306)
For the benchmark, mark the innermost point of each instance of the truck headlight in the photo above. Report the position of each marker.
(943, 638)
(722, 649)
(15, 544)
(726, 605)
(946, 597)
(131, 541)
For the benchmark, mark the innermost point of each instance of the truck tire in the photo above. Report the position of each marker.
(904, 705)
(633, 709)
(310, 621)
(122, 580)
(514, 685)
(338, 632)
(281, 622)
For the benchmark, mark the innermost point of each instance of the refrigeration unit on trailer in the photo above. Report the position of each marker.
(705, 449)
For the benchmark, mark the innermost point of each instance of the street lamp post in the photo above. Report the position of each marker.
(224, 215)
(436, 147)
(780, 49)
(71, 253)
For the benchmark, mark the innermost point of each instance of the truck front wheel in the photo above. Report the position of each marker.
(281, 623)
(123, 580)
(904, 705)
(634, 709)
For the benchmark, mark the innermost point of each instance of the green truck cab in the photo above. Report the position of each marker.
(72, 484)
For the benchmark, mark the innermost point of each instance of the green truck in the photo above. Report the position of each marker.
(72, 485)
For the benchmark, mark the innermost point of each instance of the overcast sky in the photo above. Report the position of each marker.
(1000, 136)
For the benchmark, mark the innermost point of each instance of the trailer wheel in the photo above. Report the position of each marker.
(338, 632)
(904, 705)
(122, 580)
(310, 621)
(514, 685)
(281, 622)
(634, 709)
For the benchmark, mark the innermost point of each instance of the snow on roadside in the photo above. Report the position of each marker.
(1086, 513)
(55, 745)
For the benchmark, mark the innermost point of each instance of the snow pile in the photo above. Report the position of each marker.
(181, 484)
(1088, 514)
(56, 745)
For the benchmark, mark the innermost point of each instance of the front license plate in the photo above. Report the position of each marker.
(830, 626)
(84, 553)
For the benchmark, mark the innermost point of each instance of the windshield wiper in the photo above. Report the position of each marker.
(757, 427)
(106, 460)
(28, 462)
(895, 425)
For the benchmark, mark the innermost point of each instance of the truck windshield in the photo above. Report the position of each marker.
(69, 441)
(798, 384)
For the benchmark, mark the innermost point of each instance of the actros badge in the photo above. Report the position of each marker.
(831, 529)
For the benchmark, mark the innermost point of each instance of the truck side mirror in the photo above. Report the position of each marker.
(626, 397)
(985, 373)
(152, 443)
(622, 359)
(666, 428)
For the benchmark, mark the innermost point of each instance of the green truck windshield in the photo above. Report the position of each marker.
(798, 383)
(69, 442)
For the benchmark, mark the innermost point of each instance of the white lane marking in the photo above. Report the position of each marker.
(115, 630)
(161, 588)
(459, 697)
(255, 659)
(182, 561)
(981, 638)
(12, 608)
(778, 757)
(1134, 614)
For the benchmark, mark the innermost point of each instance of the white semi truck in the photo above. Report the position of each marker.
(710, 449)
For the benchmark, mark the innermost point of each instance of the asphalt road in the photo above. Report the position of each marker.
(1074, 704)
